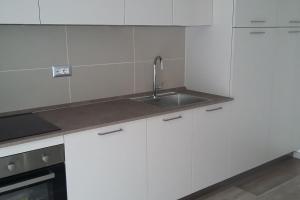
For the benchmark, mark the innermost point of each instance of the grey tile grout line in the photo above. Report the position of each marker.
(29, 69)
(93, 65)
(68, 62)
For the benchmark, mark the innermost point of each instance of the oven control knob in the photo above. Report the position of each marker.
(11, 167)
(45, 158)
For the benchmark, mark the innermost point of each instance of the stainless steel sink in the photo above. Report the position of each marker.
(171, 99)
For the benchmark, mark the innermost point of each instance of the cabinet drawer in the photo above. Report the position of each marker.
(255, 13)
(289, 13)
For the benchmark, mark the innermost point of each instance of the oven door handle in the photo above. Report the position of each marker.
(27, 183)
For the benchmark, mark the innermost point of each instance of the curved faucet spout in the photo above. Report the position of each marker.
(155, 87)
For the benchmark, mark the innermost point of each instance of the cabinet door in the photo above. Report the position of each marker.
(107, 163)
(282, 91)
(288, 13)
(169, 156)
(210, 146)
(192, 12)
(94, 12)
(253, 60)
(255, 13)
(145, 12)
(294, 49)
(19, 12)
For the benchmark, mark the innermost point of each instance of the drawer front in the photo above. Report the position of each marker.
(255, 13)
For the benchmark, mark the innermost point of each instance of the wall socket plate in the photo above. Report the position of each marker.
(61, 70)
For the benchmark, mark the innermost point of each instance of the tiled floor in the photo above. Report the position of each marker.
(280, 181)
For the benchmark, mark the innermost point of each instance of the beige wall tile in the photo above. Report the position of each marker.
(172, 76)
(31, 46)
(30, 89)
(96, 82)
(168, 42)
(35, 47)
(90, 45)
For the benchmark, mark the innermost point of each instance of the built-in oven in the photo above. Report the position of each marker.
(34, 175)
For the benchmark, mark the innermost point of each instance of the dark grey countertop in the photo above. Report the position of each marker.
(95, 114)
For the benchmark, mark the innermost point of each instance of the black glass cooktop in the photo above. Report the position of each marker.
(19, 126)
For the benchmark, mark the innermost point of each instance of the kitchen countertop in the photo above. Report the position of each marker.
(95, 114)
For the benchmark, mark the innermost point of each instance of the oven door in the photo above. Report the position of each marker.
(44, 184)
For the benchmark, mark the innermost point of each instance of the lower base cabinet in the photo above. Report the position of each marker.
(169, 156)
(107, 163)
(166, 157)
(210, 146)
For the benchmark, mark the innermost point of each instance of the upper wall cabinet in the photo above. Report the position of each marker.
(148, 12)
(255, 13)
(19, 12)
(192, 12)
(289, 13)
(94, 12)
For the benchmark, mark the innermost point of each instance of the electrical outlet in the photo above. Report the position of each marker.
(61, 70)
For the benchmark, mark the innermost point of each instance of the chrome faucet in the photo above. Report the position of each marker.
(155, 87)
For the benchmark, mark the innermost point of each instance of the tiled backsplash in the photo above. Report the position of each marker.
(107, 61)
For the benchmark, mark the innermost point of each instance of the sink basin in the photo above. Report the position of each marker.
(171, 99)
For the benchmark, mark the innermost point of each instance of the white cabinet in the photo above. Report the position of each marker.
(94, 12)
(255, 13)
(253, 60)
(288, 13)
(169, 156)
(192, 12)
(107, 163)
(208, 52)
(19, 12)
(145, 12)
(210, 146)
(283, 88)
(294, 59)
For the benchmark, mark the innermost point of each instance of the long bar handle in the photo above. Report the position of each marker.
(258, 32)
(27, 183)
(258, 21)
(173, 118)
(110, 132)
(214, 109)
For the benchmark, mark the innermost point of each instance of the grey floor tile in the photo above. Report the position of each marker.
(270, 178)
(232, 193)
(279, 181)
(288, 191)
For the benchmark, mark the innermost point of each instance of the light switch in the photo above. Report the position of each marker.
(61, 70)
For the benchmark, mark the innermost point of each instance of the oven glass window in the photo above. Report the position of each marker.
(37, 192)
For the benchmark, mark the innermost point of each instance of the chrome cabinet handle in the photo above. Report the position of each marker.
(173, 118)
(294, 32)
(110, 132)
(27, 183)
(214, 109)
(294, 21)
(258, 21)
(258, 32)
